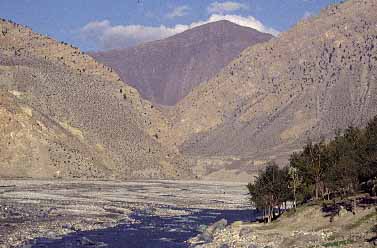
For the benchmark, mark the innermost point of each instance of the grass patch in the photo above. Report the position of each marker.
(269, 226)
(361, 221)
(339, 243)
(291, 212)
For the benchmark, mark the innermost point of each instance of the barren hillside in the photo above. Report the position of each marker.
(65, 115)
(308, 82)
(165, 71)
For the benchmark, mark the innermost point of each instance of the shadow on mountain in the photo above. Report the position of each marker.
(149, 231)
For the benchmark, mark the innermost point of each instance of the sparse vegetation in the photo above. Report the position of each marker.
(340, 243)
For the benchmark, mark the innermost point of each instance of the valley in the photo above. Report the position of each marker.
(154, 145)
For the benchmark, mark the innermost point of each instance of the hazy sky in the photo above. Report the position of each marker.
(107, 24)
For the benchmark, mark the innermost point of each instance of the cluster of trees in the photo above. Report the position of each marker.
(325, 170)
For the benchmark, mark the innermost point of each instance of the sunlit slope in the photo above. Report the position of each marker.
(306, 83)
(111, 126)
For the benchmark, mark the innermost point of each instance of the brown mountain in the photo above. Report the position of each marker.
(64, 115)
(318, 77)
(165, 71)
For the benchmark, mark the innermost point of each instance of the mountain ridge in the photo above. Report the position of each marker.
(164, 71)
(317, 77)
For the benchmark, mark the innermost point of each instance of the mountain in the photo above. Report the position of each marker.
(317, 77)
(165, 71)
(62, 114)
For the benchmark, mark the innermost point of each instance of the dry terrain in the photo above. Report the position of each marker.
(160, 214)
(46, 211)
(307, 228)
(318, 77)
(64, 115)
(165, 71)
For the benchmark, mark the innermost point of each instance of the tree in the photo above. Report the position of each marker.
(312, 164)
(370, 166)
(294, 183)
(270, 189)
(343, 165)
(344, 159)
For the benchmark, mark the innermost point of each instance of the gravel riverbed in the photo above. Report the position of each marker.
(46, 213)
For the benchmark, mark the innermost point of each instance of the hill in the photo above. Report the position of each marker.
(64, 115)
(317, 77)
(165, 71)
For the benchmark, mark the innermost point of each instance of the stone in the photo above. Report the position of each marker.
(86, 242)
(224, 246)
(342, 211)
(101, 245)
(252, 246)
(219, 225)
(202, 228)
(206, 237)
(26, 246)
(50, 235)
(67, 226)
(76, 227)
(245, 231)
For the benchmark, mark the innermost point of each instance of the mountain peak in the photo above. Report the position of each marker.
(165, 71)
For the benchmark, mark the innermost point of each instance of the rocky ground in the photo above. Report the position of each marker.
(308, 227)
(112, 214)
(156, 214)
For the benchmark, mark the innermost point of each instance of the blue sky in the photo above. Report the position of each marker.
(108, 24)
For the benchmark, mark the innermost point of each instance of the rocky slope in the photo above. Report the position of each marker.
(306, 228)
(165, 71)
(306, 83)
(62, 114)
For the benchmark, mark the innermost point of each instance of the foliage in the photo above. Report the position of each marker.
(340, 243)
(270, 189)
(327, 170)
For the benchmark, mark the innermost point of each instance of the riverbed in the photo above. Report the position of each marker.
(48, 213)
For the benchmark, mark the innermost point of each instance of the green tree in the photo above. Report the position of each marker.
(312, 164)
(270, 189)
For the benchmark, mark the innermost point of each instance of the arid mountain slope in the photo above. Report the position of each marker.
(308, 82)
(63, 114)
(165, 71)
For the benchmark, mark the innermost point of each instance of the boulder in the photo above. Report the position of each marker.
(206, 237)
(224, 246)
(245, 231)
(342, 211)
(219, 225)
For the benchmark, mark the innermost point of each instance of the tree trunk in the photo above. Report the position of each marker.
(354, 206)
(279, 209)
(317, 189)
(294, 198)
